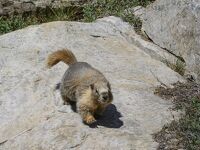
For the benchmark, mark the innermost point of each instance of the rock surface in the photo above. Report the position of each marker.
(9, 7)
(137, 11)
(31, 112)
(175, 25)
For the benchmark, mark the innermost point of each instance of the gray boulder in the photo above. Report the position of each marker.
(175, 26)
(31, 112)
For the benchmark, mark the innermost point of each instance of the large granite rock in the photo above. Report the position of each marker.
(31, 112)
(9, 7)
(175, 25)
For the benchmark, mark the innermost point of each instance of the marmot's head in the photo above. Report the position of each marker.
(101, 91)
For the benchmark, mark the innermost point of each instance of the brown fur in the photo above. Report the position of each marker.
(62, 55)
(83, 84)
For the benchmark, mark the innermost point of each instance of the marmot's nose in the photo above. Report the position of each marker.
(105, 96)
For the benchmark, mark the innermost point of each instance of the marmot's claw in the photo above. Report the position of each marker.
(90, 120)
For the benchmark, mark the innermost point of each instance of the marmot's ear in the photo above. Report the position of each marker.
(92, 86)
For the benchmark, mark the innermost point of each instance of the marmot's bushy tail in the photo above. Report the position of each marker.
(65, 56)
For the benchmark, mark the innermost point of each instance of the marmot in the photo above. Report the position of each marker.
(82, 84)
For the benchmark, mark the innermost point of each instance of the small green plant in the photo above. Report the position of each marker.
(135, 21)
(178, 66)
(11, 24)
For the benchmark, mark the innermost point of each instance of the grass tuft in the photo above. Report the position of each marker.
(15, 22)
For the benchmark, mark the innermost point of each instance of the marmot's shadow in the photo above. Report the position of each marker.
(110, 118)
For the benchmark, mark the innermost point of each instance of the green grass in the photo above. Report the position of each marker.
(12, 23)
(87, 13)
(102, 8)
(184, 133)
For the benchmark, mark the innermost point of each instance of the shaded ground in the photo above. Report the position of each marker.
(184, 133)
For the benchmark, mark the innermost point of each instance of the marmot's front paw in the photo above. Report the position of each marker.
(90, 120)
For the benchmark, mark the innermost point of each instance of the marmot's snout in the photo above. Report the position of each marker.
(104, 97)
